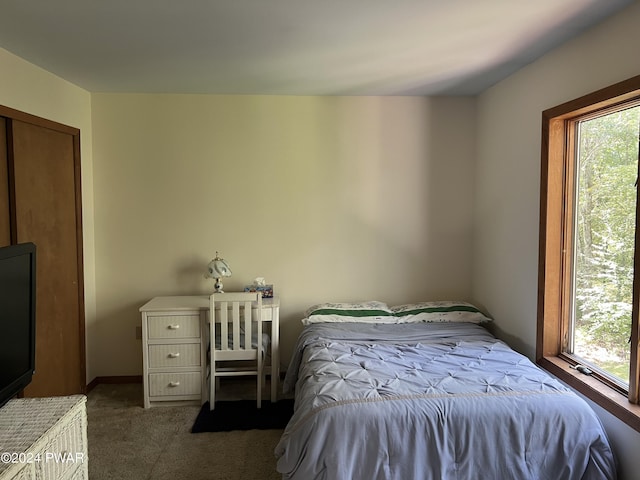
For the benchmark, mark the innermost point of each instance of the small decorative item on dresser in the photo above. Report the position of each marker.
(217, 269)
(259, 285)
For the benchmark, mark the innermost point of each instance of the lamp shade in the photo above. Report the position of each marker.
(218, 268)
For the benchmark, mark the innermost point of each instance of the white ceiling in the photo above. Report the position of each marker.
(291, 47)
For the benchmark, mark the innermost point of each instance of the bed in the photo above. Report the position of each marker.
(432, 395)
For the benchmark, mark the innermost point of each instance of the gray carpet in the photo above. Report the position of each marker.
(128, 442)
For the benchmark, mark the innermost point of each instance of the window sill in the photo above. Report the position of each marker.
(607, 398)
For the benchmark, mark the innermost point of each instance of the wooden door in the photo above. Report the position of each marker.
(5, 228)
(43, 160)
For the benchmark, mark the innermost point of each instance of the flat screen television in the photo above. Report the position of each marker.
(17, 318)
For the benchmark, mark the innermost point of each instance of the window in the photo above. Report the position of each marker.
(602, 241)
(589, 269)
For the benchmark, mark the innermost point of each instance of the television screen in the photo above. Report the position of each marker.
(17, 318)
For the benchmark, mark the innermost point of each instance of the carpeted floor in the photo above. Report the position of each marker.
(127, 442)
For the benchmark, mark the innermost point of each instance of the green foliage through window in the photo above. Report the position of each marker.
(607, 170)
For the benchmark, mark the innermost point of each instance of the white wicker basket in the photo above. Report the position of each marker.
(44, 438)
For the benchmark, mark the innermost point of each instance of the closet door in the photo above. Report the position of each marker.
(44, 166)
(5, 229)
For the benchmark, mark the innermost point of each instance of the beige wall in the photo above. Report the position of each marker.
(30, 89)
(506, 216)
(308, 192)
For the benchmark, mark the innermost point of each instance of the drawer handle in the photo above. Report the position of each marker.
(174, 384)
(173, 327)
(174, 355)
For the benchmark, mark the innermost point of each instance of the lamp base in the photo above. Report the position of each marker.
(218, 286)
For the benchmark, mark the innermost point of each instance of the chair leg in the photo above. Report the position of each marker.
(259, 382)
(212, 388)
(259, 394)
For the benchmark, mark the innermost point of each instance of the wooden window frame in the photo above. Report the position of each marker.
(554, 267)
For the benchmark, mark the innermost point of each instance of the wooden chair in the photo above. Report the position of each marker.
(235, 333)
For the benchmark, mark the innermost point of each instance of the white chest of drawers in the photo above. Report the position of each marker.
(173, 357)
(44, 438)
(174, 348)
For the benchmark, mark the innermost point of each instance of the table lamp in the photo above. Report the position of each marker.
(217, 269)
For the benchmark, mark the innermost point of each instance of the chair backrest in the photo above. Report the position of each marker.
(236, 327)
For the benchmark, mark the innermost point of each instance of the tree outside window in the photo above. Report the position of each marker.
(604, 235)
